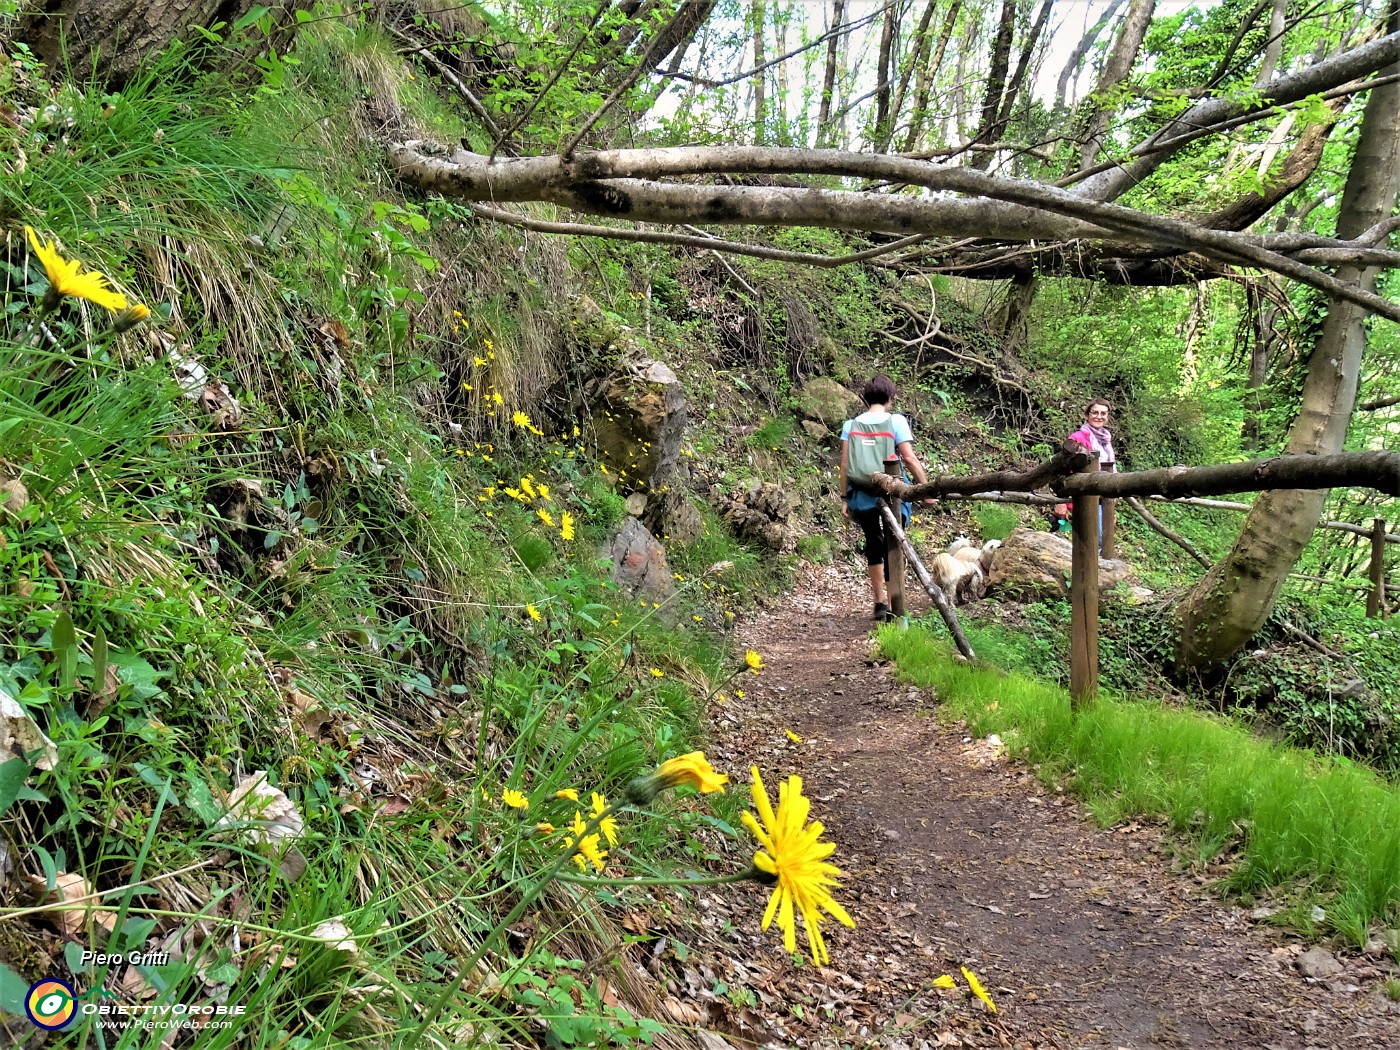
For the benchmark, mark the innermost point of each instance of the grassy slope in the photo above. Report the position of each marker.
(336, 590)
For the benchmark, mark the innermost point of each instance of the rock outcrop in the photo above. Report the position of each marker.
(760, 512)
(1032, 565)
(827, 402)
(639, 563)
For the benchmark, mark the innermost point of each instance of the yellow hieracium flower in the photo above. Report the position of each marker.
(66, 277)
(545, 516)
(795, 856)
(977, 989)
(533, 613)
(692, 769)
(515, 799)
(753, 661)
(608, 825)
(566, 526)
(569, 793)
(586, 848)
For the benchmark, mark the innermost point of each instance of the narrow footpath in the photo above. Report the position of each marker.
(955, 857)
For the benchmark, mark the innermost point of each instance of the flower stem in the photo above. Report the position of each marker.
(713, 880)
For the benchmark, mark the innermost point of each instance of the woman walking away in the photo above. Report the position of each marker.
(1097, 439)
(867, 441)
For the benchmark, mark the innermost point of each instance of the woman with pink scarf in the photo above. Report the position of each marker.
(1097, 439)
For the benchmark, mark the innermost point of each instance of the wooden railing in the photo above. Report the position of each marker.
(1073, 473)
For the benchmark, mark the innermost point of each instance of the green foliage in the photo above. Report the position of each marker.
(995, 521)
(1290, 820)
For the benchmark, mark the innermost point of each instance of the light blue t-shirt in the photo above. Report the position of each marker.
(899, 426)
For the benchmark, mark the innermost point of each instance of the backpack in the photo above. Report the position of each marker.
(868, 444)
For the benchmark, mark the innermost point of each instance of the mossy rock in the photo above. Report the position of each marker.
(828, 402)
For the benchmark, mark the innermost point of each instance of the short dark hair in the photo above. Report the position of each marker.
(1097, 401)
(879, 391)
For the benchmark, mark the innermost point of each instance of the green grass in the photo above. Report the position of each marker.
(995, 521)
(1287, 820)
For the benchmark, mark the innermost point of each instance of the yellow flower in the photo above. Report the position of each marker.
(517, 494)
(585, 847)
(478, 361)
(566, 526)
(543, 490)
(794, 853)
(65, 276)
(131, 317)
(793, 736)
(545, 517)
(497, 399)
(576, 431)
(608, 825)
(693, 769)
(656, 672)
(544, 827)
(753, 661)
(739, 693)
(977, 989)
(944, 982)
(527, 488)
(515, 799)
(569, 793)
(520, 419)
(534, 613)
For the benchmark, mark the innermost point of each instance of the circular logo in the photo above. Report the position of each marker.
(51, 1003)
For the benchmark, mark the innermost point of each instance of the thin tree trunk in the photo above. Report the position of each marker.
(882, 77)
(916, 62)
(760, 100)
(996, 81)
(833, 46)
(1273, 51)
(1115, 71)
(926, 77)
(1234, 598)
(1018, 78)
(1076, 57)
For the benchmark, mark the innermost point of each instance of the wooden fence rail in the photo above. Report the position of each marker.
(1073, 473)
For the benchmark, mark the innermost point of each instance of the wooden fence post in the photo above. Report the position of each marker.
(1107, 548)
(1084, 599)
(1375, 600)
(894, 553)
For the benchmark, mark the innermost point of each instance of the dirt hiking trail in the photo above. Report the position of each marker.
(955, 857)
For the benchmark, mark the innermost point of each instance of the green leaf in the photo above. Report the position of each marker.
(99, 658)
(14, 989)
(12, 777)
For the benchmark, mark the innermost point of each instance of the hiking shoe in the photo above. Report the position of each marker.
(882, 613)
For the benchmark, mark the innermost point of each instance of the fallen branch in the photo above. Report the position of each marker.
(1162, 530)
(940, 599)
(1066, 461)
(1373, 470)
(1221, 504)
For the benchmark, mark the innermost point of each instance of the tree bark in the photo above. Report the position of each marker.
(1120, 62)
(916, 62)
(760, 97)
(1000, 60)
(117, 36)
(1236, 596)
(883, 76)
(1076, 57)
(829, 76)
(924, 83)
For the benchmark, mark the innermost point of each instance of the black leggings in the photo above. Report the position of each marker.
(872, 523)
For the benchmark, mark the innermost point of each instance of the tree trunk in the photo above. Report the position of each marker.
(1115, 71)
(760, 97)
(925, 78)
(116, 36)
(996, 81)
(1234, 598)
(1076, 58)
(883, 118)
(916, 61)
(824, 137)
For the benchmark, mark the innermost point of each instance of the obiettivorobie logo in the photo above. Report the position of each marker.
(51, 1004)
